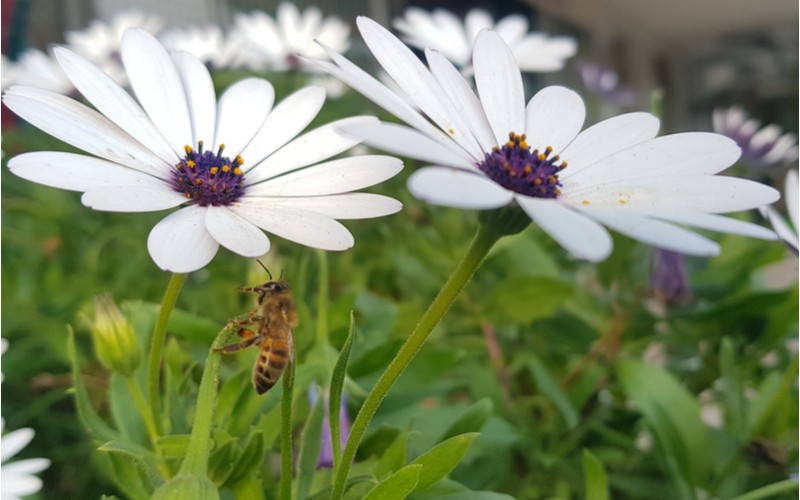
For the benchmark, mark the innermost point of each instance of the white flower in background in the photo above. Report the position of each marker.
(207, 43)
(443, 31)
(760, 147)
(495, 151)
(17, 479)
(37, 69)
(236, 165)
(787, 233)
(100, 42)
(273, 44)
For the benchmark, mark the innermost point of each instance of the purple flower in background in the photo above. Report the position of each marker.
(761, 148)
(326, 452)
(604, 82)
(669, 281)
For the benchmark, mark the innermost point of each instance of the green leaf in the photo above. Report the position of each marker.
(674, 416)
(310, 445)
(551, 389)
(476, 495)
(773, 391)
(337, 385)
(522, 299)
(771, 490)
(173, 446)
(136, 470)
(442, 458)
(397, 486)
(732, 389)
(249, 460)
(594, 477)
(220, 462)
(472, 420)
(395, 456)
(129, 478)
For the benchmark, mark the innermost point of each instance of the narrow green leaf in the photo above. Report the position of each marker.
(310, 445)
(173, 446)
(442, 458)
(771, 490)
(395, 456)
(221, 461)
(773, 391)
(128, 476)
(472, 420)
(146, 478)
(732, 389)
(551, 389)
(397, 486)
(594, 477)
(249, 460)
(285, 484)
(337, 385)
(476, 495)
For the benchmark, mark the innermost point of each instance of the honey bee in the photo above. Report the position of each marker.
(274, 319)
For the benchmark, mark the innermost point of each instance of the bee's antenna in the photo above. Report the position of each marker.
(267, 270)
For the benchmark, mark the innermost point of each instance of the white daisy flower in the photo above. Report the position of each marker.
(235, 166)
(786, 232)
(100, 42)
(443, 31)
(495, 151)
(273, 44)
(761, 147)
(207, 43)
(17, 479)
(37, 69)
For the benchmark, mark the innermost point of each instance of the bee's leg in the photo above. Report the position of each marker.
(251, 318)
(251, 339)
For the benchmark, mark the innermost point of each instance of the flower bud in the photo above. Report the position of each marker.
(187, 487)
(114, 338)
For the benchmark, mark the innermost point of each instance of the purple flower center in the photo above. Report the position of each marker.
(207, 178)
(515, 167)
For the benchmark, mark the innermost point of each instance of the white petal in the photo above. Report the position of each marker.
(301, 226)
(381, 95)
(25, 467)
(715, 222)
(19, 486)
(76, 172)
(132, 198)
(499, 85)
(241, 113)
(540, 54)
(766, 135)
(783, 151)
(311, 147)
(416, 81)
(476, 20)
(158, 86)
(580, 236)
(405, 141)
(783, 230)
(180, 243)
(714, 194)
(15, 441)
(655, 232)
(200, 97)
(607, 137)
(457, 188)
(689, 154)
(512, 28)
(287, 120)
(82, 127)
(235, 233)
(336, 176)
(341, 206)
(791, 197)
(462, 98)
(113, 102)
(554, 117)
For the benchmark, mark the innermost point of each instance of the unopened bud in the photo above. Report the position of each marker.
(114, 338)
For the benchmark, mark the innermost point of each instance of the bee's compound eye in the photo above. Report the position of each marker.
(275, 287)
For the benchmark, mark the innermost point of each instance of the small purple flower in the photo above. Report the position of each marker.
(326, 452)
(761, 148)
(604, 82)
(669, 281)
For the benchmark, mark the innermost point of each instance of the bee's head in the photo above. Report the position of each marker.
(268, 289)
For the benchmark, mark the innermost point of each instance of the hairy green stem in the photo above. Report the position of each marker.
(286, 430)
(144, 410)
(485, 238)
(199, 448)
(157, 347)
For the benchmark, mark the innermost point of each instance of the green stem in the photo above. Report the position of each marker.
(286, 430)
(484, 239)
(322, 301)
(144, 410)
(157, 346)
(196, 461)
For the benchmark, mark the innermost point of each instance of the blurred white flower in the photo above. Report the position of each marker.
(36, 69)
(787, 233)
(494, 151)
(101, 42)
(761, 148)
(274, 44)
(179, 146)
(443, 31)
(17, 479)
(207, 43)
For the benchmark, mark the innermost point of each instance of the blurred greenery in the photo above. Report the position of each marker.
(549, 377)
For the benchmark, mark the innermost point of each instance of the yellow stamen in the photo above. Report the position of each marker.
(237, 171)
(213, 170)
